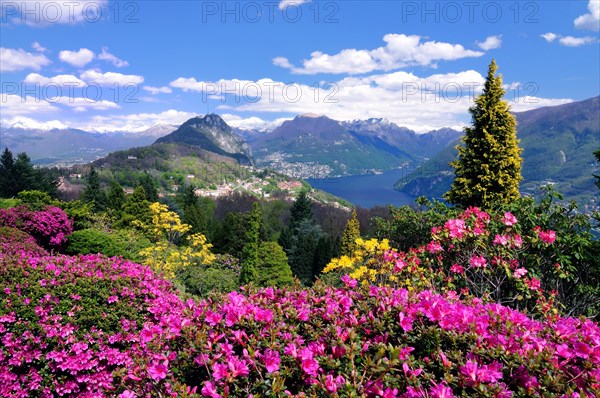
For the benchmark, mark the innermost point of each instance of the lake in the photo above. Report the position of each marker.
(366, 190)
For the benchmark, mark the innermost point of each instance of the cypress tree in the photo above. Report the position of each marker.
(488, 168)
(351, 233)
(250, 251)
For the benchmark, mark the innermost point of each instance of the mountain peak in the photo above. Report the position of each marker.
(311, 115)
(211, 120)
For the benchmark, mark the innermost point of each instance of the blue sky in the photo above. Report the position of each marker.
(127, 65)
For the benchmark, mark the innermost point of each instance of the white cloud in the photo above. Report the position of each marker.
(110, 78)
(568, 41)
(12, 60)
(28, 123)
(549, 37)
(38, 47)
(83, 104)
(490, 43)
(135, 122)
(61, 80)
(591, 20)
(294, 3)
(158, 90)
(253, 122)
(42, 13)
(106, 56)
(400, 51)
(422, 103)
(13, 105)
(78, 58)
(571, 41)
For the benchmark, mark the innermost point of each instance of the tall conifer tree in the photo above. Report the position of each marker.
(488, 168)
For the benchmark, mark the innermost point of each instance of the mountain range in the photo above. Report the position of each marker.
(317, 146)
(65, 146)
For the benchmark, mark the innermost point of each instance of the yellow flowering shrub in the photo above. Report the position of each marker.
(166, 256)
(376, 263)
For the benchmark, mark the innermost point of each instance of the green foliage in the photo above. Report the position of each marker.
(93, 192)
(37, 200)
(147, 182)
(273, 268)
(230, 236)
(93, 241)
(488, 168)
(220, 276)
(351, 233)
(8, 203)
(411, 227)
(301, 210)
(302, 253)
(18, 174)
(115, 199)
(250, 250)
(136, 207)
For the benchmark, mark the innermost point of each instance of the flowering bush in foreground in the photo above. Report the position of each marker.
(91, 327)
(51, 227)
(476, 254)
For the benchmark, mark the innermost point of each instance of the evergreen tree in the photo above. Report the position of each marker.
(116, 197)
(25, 175)
(301, 210)
(7, 175)
(488, 168)
(250, 250)
(273, 268)
(350, 235)
(147, 182)
(93, 192)
(323, 255)
(136, 207)
(230, 235)
(302, 254)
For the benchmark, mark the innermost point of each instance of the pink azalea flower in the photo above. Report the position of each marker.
(434, 247)
(456, 228)
(441, 391)
(519, 273)
(509, 219)
(127, 394)
(457, 269)
(547, 236)
(157, 371)
(271, 360)
(501, 240)
(210, 390)
(330, 384)
(310, 366)
(220, 371)
(478, 261)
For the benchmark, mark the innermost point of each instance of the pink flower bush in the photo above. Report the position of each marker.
(64, 338)
(51, 227)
